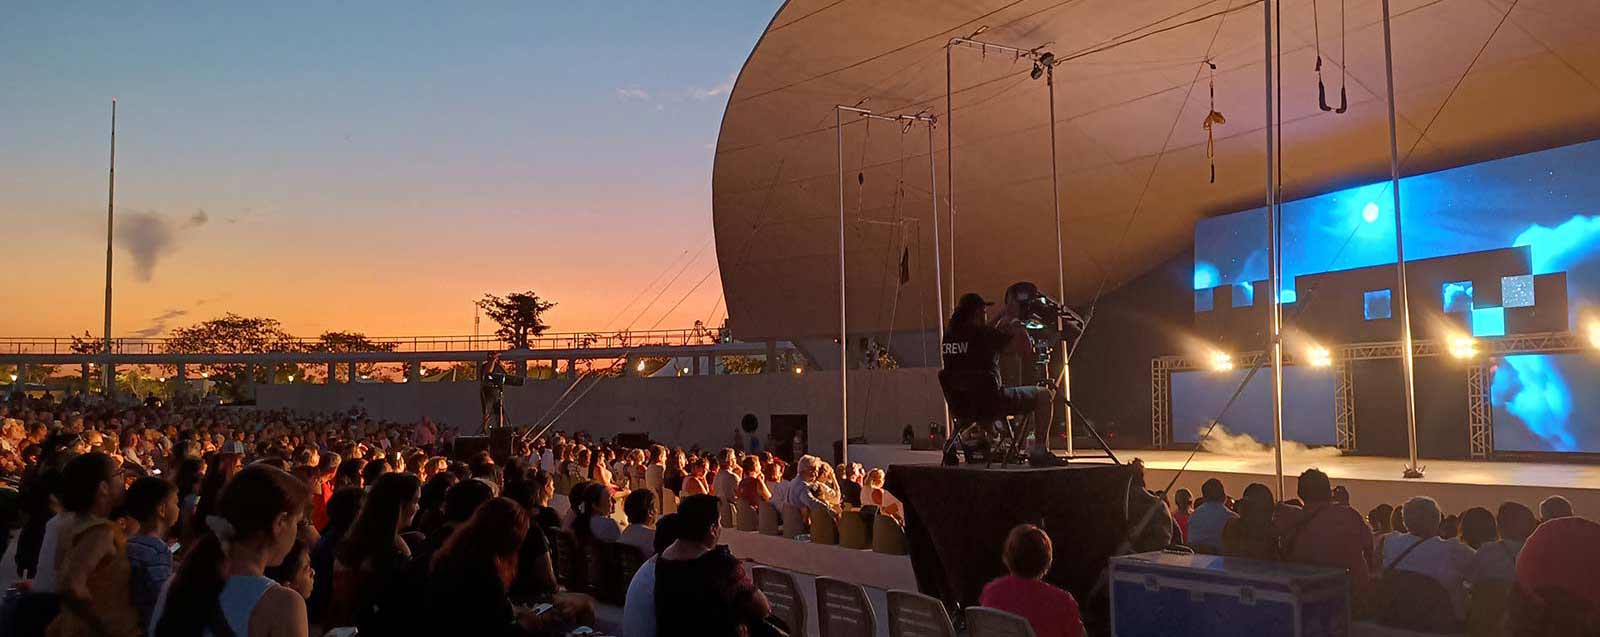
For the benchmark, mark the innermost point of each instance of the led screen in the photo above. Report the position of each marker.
(1198, 397)
(1546, 402)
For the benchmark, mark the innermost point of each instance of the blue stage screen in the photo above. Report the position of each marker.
(1546, 402)
(1198, 397)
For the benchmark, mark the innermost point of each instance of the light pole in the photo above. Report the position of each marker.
(109, 388)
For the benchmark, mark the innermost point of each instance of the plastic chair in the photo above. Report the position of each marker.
(669, 501)
(991, 622)
(1486, 610)
(565, 558)
(888, 537)
(784, 595)
(853, 530)
(745, 517)
(794, 524)
(917, 615)
(843, 610)
(725, 514)
(768, 521)
(628, 560)
(1412, 601)
(823, 528)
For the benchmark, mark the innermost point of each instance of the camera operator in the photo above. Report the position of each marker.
(972, 348)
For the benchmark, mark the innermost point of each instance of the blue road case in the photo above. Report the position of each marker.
(1162, 593)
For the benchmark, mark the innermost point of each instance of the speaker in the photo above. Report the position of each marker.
(632, 441)
(468, 446)
(500, 441)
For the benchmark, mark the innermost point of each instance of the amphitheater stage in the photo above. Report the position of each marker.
(1372, 480)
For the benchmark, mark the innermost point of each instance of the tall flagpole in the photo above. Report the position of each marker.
(109, 375)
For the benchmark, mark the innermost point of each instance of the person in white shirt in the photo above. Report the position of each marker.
(640, 507)
(547, 460)
(1497, 561)
(727, 480)
(797, 492)
(1448, 562)
(1208, 519)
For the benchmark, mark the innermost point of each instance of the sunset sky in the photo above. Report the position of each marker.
(363, 166)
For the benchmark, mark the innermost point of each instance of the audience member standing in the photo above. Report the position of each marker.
(372, 558)
(154, 503)
(92, 567)
(1182, 508)
(1051, 611)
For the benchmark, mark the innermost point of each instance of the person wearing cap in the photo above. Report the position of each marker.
(971, 350)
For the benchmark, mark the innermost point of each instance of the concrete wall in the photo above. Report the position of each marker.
(687, 410)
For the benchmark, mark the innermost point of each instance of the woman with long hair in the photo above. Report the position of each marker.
(222, 587)
(342, 510)
(597, 468)
(1252, 534)
(752, 489)
(592, 515)
(470, 574)
(191, 472)
(372, 556)
(672, 479)
(219, 470)
(430, 508)
(695, 482)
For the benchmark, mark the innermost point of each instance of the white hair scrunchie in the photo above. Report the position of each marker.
(220, 526)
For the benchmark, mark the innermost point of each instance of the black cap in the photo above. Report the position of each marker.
(971, 301)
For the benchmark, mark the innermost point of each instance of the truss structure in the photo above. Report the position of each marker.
(1480, 429)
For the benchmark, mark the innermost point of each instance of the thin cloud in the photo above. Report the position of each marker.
(158, 324)
(633, 94)
(199, 218)
(719, 90)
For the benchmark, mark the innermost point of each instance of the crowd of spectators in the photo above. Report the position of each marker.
(1414, 565)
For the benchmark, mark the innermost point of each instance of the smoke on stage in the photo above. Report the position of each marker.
(1228, 443)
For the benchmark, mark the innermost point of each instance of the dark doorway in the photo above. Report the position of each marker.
(786, 431)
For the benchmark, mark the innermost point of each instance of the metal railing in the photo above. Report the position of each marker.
(548, 340)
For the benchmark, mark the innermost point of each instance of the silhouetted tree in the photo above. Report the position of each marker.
(519, 314)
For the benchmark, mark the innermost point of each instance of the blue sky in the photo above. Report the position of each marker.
(368, 166)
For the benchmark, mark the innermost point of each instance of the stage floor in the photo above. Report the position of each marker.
(1457, 484)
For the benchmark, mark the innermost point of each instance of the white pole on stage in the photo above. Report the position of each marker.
(1275, 310)
(938, 276)
(950, 190)
(1407, 364)
(844, 359)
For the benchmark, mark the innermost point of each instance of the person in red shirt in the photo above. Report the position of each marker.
(1051, 611)
(1326, 533)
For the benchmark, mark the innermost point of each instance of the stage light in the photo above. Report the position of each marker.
(640, 366)
(164, 378)
(1221, 362)
(1594, 334)
(291, 378)
(1369, 213)
(13, 378)
(798, 369)
(1463, 347)
(1319, 356)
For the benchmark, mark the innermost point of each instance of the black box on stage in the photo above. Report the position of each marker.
(468, 446)
(632, 441)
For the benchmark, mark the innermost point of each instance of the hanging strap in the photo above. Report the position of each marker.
(1402, 556)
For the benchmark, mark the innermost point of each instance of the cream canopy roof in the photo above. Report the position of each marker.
(1132, 91)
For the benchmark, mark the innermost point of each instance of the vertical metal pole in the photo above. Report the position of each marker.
(938, 276)
(1274, 311)
(109, 374)
(844, 358)
(1061, 268)
(1407, 363)
(950, 171)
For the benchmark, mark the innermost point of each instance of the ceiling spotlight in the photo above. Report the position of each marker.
(1463, 347)
(1038, 71)
(1221, 362)
(1047, 59)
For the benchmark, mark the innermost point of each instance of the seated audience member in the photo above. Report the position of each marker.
(1326, 533)
(640, 507)
(593, 521)
(701, 588)
(1250, 533)
(797, 492)
(1554, 507)
(372, 559)
(1556, 585)
(1445, 561)
(639, 604)
(752, 489)
(223, 582)
(342, 510)
(575, 495)
(1341, 495)
(1477, 527)
(1497, 561)
(295, 572)
(1449, 527)
(1205, 524)
(826, 487)
(850, 477)
(1182, 508)
(726, 483)
(543, 486)
(430, 505)
(1147, 514)
(92, 567)
(873, 494)
(695, 482)
(536, 577)
(1051, 611)
(466, 590)
(154, 503)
